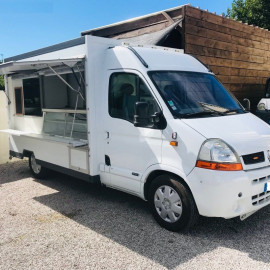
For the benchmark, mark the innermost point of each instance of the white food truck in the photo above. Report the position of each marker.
(150, 121)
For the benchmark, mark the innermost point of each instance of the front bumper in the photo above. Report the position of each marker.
(229, 194)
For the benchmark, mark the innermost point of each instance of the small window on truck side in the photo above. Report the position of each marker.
(27, 98)
(31, 97)
(18, 100)
(124, 91)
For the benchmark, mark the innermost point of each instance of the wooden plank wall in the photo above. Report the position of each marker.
(238, 53)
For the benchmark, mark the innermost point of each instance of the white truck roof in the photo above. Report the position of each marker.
(158, 58)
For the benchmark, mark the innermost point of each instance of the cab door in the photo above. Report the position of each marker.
(129, 150)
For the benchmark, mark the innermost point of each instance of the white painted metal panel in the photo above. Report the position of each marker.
(96, 89)
(14, 132)
(49, 151)
(78, 159)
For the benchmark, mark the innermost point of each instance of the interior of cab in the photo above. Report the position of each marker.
(124, 91)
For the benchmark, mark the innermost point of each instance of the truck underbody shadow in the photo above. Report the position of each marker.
(126, 220)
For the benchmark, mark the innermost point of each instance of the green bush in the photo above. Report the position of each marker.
(256, 12)
(2, 83)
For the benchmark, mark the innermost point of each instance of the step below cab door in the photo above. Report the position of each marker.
(129, 150)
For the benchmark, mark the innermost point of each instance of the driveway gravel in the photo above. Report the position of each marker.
(63, 223)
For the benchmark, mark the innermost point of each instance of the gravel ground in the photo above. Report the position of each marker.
(63, 223)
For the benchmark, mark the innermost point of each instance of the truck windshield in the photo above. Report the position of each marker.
(190, 94)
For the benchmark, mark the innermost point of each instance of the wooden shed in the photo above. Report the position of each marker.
(237, 53)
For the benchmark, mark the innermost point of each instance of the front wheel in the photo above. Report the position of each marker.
(172, 204)
(37, 170)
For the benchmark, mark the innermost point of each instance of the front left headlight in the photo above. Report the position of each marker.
(215, 154)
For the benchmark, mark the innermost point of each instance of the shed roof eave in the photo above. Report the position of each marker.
(87, 32)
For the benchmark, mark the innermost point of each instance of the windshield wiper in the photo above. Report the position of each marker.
(203, 113)
(214, 108)
(232, 111)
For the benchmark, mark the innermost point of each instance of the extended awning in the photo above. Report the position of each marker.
(30, 67)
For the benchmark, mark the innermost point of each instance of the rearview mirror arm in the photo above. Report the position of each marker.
(248, 104)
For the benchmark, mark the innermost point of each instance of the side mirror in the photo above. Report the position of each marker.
(141, 117)
(159, 120)
(246, 104)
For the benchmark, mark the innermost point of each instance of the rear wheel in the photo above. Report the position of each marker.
(37, 170)
(172, 204)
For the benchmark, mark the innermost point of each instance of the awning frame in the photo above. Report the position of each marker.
(26, 67)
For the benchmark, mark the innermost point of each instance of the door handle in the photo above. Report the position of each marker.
(108, 134)
(107, 160)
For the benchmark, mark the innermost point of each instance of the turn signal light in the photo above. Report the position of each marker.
(173, 143)
(219, 166)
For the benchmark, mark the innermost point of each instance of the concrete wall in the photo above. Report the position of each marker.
(4, 145)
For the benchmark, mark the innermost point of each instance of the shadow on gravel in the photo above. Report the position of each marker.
(125, 219)
(14, 171)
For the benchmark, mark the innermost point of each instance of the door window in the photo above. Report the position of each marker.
(125, 90)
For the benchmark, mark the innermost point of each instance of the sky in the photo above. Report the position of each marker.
(27, 25)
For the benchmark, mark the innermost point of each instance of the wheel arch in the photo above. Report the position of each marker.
(167, 170)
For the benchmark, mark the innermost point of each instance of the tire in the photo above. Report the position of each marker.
(37, 170)
(172, 204)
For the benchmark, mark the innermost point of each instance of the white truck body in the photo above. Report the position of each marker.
(136, 153)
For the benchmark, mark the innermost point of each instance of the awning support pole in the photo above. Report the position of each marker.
(82, 79)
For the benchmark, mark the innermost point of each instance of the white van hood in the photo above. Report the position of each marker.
(246, 133)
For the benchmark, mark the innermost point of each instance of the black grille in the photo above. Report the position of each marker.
(254, 158)
(261, 198)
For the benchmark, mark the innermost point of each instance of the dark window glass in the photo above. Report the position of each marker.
(267, 89)
(125, 90)
(31, 94)
(18, 100)
(57, 95)
(188, 93)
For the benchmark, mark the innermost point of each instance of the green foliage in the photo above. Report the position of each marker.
(256, 12)
(2, 83)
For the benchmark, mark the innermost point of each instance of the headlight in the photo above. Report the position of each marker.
(215, 154)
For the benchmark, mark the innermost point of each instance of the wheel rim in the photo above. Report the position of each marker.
(168, 204)
(35, 167)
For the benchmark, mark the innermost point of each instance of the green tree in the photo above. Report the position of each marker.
(256, 12)
(2, 83)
